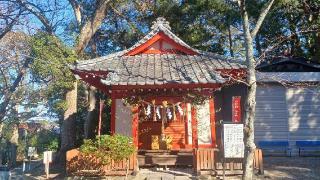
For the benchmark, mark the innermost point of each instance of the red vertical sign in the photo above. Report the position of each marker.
(236, 109)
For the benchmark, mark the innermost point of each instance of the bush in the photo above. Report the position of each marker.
(44, 140)
(105, 148)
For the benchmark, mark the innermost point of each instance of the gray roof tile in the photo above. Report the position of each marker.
(161, 69)
(150, 69)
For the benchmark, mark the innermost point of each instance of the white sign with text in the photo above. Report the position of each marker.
(233, 140)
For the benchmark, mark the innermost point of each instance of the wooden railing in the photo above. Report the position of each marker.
(80, 164)
(258, 161)
(204, 162)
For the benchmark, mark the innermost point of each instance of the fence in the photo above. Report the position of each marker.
(80, 164)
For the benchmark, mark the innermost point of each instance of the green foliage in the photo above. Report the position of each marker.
(51, 66)
(44, 140)
(107, 147)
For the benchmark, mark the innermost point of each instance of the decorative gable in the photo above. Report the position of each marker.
(161, 41)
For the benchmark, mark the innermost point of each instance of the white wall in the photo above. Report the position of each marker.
(123, 120)
(287, 113)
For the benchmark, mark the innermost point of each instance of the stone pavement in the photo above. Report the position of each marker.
(299, 168)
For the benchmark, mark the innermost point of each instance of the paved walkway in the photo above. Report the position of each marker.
(292, 168)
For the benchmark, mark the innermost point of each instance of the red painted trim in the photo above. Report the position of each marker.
(194, 127)
(135, 126)
(144, 46)
(157, 37)
(161, 45)
(212, 122)
(113, 115)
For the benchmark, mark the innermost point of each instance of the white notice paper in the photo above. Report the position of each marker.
(233, 140)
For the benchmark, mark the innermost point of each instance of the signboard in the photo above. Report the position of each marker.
(47, 157)
(233, 140)
(32, 151)
(236, 109)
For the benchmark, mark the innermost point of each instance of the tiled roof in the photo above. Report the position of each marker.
(156, 69)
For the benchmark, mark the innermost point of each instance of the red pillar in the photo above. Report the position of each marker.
(113, 115)
(135, 123)
(194, 127)
(213, 122)
(100, 116)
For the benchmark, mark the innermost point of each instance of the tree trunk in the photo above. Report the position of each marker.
(91, 113)
(249, 115)
(13, 145)
(68, 133)
(250, 102)
(1, 127)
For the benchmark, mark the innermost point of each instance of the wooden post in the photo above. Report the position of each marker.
(100, 116)
(113, 115)
(213, 122)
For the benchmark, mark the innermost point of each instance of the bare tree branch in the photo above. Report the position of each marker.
(38, 12)
(133, 26)
(91, 26)
(10, 25)
(77, 11)
(261, 18)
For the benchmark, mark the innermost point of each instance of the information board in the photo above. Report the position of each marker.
(32, 151)
(47, 157)
(233, 140)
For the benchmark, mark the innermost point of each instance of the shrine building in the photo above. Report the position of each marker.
(168, 96)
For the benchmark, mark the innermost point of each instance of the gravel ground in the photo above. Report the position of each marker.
(300, 168)
(291, 168)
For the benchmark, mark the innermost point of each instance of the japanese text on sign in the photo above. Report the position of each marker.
(233, 140)
(236, 109)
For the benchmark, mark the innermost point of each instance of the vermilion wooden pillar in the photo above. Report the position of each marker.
(101, 103)
(113, 115)
(194, 127)
(135, 123)
(213, 122)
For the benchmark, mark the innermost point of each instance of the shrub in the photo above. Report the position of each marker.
(105, 148)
